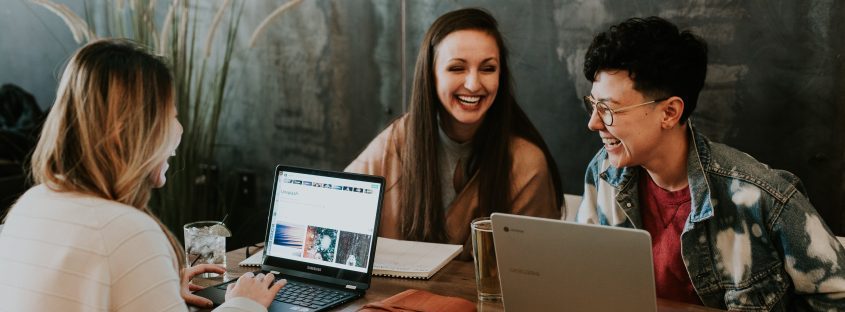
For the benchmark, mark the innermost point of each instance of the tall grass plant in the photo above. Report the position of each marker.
(201, 72)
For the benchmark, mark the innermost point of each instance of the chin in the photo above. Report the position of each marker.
(158, 179)
(469, 118)
(470, 121)
(159, 183)
(618, 162)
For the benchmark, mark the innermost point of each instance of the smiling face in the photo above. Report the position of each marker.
(635, 136)
(466, 67)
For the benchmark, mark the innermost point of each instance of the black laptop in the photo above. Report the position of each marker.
(321, 237)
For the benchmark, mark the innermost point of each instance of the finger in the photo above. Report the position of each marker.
(190, 272)
(268, 279)
(246, 275)
(278, 285)
(186, 275)
(193, 287)
(229, 289)
(209, 268)
(197, 300)
(260, 276)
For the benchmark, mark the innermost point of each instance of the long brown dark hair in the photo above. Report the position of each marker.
(107, 131)
(423, 218)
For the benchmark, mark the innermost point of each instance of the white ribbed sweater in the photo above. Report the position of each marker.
(73, 252)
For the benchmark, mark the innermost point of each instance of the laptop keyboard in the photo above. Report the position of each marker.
(307, 295)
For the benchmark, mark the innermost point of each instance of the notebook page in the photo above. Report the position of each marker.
(411, 256)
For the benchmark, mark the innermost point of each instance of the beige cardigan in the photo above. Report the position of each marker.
(532, 189)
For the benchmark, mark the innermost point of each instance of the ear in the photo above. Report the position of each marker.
(672, 112)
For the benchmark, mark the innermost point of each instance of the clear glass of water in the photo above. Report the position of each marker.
(205, 242)
(484, 256)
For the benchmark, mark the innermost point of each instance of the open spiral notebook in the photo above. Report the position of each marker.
(399, 258)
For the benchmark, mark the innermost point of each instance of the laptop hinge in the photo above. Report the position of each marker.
(351, 287)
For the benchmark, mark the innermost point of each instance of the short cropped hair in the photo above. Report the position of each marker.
(660, 60)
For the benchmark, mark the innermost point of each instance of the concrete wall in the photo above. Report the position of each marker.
(328, 76)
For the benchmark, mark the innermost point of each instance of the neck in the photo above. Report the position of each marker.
(669, 169)
(457, 131)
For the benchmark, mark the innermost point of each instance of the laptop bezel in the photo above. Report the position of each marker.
(337, 276)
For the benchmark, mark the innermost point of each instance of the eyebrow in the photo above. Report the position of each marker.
(483, 61)
(611, 100)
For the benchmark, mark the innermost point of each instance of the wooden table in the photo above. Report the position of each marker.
(455, 279)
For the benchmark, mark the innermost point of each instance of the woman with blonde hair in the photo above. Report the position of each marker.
(83, 238)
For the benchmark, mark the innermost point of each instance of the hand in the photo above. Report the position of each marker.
(187, 287)
(256, 287)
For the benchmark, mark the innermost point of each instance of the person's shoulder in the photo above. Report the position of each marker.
(392, 135)
(383, 148)
(84, 219)
(729, 159)
(394, 131)
(75, 207)
(526, 154)
(734, 164)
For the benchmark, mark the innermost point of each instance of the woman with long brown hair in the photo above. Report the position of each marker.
(465, 149)
(83, 238)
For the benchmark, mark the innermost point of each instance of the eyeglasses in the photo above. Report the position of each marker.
(605, 112)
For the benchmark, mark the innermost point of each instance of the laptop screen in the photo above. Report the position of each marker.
(324, 223)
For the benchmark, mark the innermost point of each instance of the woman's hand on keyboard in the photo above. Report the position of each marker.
(260, 288)
(188, 274)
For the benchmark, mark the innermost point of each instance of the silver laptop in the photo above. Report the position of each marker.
(321, 236)
(549, 265)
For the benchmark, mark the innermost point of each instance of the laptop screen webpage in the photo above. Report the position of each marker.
(323, 220)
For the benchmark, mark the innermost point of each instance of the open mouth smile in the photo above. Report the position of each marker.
(469, 100)
(610, 142)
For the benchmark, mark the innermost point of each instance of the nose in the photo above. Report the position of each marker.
(595, 123)
(471, 82)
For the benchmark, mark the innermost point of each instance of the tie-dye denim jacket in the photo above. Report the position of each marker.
(752, 241)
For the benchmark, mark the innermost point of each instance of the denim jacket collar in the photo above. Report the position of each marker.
(698, 159)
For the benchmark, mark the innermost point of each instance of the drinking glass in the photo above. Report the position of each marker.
(205, 242)
(484, 256)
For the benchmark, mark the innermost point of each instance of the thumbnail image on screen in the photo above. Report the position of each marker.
(289, 239)
(320, 244)
(353, 249)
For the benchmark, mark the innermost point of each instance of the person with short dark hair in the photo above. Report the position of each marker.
(727, 231)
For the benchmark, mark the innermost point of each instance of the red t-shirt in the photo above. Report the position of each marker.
(664, 215)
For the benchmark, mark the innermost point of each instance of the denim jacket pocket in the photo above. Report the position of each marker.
(763, 292)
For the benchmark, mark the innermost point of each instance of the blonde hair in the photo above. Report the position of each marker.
(107, 131)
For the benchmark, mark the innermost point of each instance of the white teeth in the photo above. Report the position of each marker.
(469, 99)
(610, 141)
